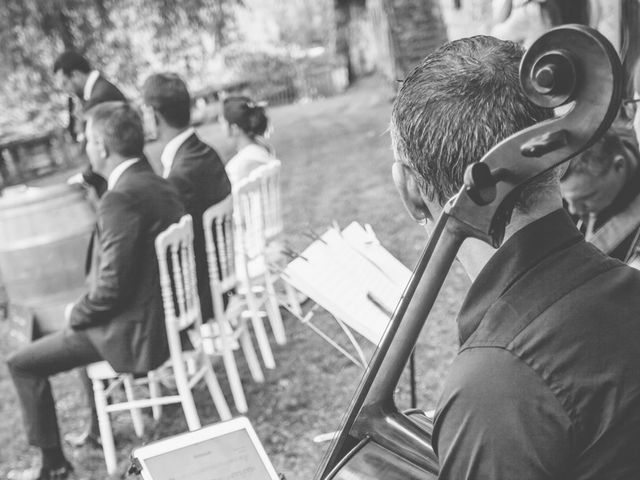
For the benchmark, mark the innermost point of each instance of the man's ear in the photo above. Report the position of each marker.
(619, 163)
(157, 118)
(562, 170)
(410, 191)
(102, 147)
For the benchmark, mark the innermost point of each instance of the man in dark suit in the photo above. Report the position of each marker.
(120, 318)
(190, 165)
(79, 80)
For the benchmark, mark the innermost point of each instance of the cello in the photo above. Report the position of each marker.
(573, 67)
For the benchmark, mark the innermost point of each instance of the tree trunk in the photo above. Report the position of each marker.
(342, 19)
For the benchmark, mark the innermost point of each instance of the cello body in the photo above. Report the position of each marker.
(370, 460)
(571, 66)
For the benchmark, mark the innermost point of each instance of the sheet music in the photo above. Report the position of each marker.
(367, 243)
(343, 282)
(228, 457)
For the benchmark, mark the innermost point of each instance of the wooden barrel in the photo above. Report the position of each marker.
(44, 234)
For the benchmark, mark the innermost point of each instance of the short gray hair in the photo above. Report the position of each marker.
(120, 126)
(462, 100)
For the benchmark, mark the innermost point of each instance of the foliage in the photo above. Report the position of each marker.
(207, 42)
(301, 23)
(124, 38)
(260, 65)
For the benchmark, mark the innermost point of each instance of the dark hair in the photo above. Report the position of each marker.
(120, 126)
(246, 114)
(168, 95)
(597, 160)
(463, 99)
(71, 61)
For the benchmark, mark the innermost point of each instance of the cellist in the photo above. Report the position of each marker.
(546, 384)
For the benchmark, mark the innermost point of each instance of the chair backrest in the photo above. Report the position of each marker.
(248, 217)
(269, 175)
(176, 262)
(217, 222)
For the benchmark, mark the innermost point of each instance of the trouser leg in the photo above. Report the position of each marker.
(30, 370)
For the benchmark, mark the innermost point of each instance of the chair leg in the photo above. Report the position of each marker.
(106, 435)
(250, 355)
(292, 299)
(232, 372)
(215, 391)
(258, 328)
(186, 397)
(154, 392)
(136, 414)
(273, 311)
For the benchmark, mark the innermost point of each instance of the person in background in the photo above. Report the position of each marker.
(601, 187)
(87, 85)
(247, 125)
(190, 165)
(121, 317)
(522, 21)
(545, 384)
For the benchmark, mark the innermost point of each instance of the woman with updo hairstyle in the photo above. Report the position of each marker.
(247, 124)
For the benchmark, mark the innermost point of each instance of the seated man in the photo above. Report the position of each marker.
(602, 187)
(120, 319)
(545, 384)
(189, 164)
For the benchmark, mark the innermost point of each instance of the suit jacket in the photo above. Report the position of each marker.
(199, 176)
(122, 312)
(103, 91)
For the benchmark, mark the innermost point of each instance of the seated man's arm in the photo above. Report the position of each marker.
(498, 420)
(116, 280)
(185, 188)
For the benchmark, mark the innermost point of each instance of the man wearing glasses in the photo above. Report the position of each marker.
(602, 187)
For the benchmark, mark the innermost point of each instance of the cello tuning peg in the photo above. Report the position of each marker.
(480, 183)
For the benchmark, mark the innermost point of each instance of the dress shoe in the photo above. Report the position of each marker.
(62, 473)
(83, 439)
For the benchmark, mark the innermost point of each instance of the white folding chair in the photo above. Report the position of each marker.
(230, 323)
(186, 368)
(253, 269)
(269, 175)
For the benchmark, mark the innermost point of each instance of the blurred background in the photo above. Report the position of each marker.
(279, 52)
(329, 70)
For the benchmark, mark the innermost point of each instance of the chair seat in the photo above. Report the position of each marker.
(101, 371)
(255, 267)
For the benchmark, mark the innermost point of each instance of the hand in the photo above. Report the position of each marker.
(76, 179)
(67, 311)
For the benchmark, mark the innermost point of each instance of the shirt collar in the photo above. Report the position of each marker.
(520, 253)
(118, 171)
(89, 84)
(169, 152)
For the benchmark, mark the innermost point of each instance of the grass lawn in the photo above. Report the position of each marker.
(336, 166)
